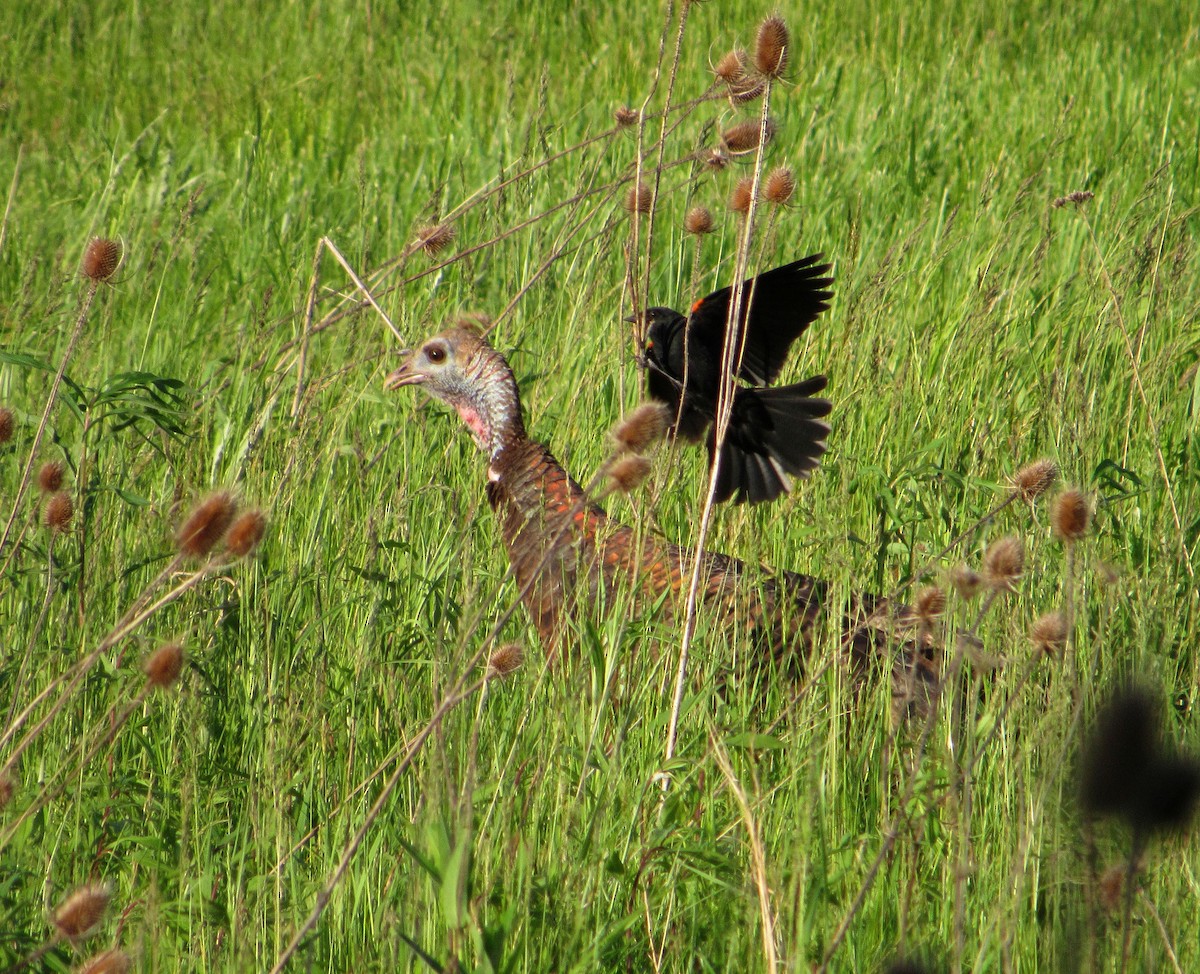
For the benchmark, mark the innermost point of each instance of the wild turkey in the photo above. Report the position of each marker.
(566, 552)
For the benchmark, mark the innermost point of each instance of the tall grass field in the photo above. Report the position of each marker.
(312, 751)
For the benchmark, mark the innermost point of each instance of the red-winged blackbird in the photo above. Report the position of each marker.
(773, 432)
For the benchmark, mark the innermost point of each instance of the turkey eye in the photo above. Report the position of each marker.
(435, 354)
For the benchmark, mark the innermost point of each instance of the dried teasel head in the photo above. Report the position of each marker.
(8, 423)
(1049, 634)
(639, 198)
(163, 666)
(716, 160)
(206, 525)
(642, 428)
(50, 477)
(966, 581)
(1034, 479)
(744, 137)
(771, 47)
(8, 788)
(742, 195)
(699, 221)
(626, 116)
(101, 259)
(1003, 563)
(114, 961)
(1070, 515)
(746, 89)
(930, 603)
(245, 533)
(780, 186)
(81, 912)
(627, 474)
(505, 661)
(58, 512)
(433, 238)
(732, 66)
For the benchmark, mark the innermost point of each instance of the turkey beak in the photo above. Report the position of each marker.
(403, 376)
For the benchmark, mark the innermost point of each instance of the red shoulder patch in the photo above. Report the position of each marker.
(696, 306)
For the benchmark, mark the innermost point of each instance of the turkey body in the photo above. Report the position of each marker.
(568, 555)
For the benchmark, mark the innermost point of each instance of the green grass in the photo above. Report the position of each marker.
(973, 330)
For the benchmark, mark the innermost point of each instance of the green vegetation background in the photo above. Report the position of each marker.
(975, 328)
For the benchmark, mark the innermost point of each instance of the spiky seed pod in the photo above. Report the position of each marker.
(245, 533)
(627, 474)
(699, 221)
(732, 66)
(1003, 563)
(716, 160)
(50, 477)
(8, 788)
(58, 512)
(8, 423)
(639, 198)
(1034, 479)
(114, 961)
(642, 428)
(744, 137)
(930, 604)
(81, 912)
(780, 186)
(206, 525)
(505, 661)
(743, 193)
(745, 90)
(771, 47)
(1069, 515)
(626, 116)
(433, 238)
(101, 259)
(163, 666)
(966, 581)
(1049, 634)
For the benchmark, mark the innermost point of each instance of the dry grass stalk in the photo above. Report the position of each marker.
(206, 525)
(1077, 198)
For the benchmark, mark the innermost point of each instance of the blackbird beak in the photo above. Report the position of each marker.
(633, 319)
(403, 376)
